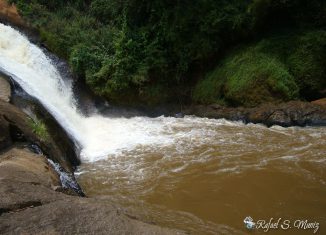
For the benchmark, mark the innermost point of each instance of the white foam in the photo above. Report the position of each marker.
(100, 137)
(96, 135)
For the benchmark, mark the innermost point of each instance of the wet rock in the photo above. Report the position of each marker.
(279, 117)
(15, 127)
(5, 91)
(16, 120)
(293, 113)
(304, 113)
(5, 139)
(68, 181)
(29, 204)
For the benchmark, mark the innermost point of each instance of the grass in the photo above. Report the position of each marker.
(39, 129)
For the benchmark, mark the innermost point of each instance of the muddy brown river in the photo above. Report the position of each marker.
(207, 175)
(199, 175)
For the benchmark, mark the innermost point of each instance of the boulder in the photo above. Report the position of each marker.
(29, 205)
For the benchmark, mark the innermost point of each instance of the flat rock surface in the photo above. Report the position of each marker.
(29, 205)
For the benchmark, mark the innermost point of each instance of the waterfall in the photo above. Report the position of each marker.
(96, 135)
(35, 73)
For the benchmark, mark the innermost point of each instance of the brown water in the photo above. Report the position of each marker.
(206, 176)
(199, 175)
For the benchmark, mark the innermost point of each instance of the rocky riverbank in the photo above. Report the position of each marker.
(32, 198)
(293, 113)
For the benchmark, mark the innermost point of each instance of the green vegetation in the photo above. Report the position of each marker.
(249, 78)
(157, 51)
(39, 129)
(271, 70)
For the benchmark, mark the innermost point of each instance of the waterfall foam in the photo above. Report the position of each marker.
(97, 136)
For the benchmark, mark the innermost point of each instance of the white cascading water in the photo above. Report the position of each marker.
(97, 136)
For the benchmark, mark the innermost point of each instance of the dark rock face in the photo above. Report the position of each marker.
(293, 113)
(29, 205)
(5, 139)
(5, 90)
(15, 126)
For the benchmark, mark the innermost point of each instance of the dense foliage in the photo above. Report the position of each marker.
(277, 68)
(157, 51)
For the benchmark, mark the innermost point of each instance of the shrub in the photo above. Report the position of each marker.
(307, 63)
(277, 68)
(210, 90)
(247, 78)
(253, 78)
